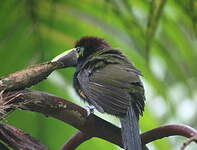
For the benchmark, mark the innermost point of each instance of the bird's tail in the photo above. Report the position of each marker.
(130, 131)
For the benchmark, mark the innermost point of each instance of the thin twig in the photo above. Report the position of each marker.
(188, 142)
(3, 146)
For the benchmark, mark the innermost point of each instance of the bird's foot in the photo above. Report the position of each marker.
(90, 109)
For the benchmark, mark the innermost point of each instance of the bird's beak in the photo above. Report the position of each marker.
(68, 58)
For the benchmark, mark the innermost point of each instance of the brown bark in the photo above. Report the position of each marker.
(76, 116)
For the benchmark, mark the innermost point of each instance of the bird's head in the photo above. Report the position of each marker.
(83, 48)
(88, 45)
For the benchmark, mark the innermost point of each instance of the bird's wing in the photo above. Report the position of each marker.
(113, 88)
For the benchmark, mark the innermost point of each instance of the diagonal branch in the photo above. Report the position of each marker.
(3, 146)
(76, 116)
(34, 74)
(18, 140)
(64, 110)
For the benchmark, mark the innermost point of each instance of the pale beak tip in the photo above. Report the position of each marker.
(68, 58)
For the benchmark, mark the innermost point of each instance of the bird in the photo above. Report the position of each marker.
(106, 79)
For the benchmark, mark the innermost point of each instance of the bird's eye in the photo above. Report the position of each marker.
(78, 49)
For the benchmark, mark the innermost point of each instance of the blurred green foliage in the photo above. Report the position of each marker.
(159, 36)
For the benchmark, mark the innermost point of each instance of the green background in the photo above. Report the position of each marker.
(159, 36)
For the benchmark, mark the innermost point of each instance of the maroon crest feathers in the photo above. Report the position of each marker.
(92, 43)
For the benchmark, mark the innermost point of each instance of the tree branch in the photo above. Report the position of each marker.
(168, 130)
(18, 140)
(63, 110)
(189, 141)
(76, 116)
(34, 74)
(78, 138)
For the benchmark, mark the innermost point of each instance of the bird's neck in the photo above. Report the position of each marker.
(107, 55)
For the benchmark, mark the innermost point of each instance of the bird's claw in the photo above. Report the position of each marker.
(90, 109)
